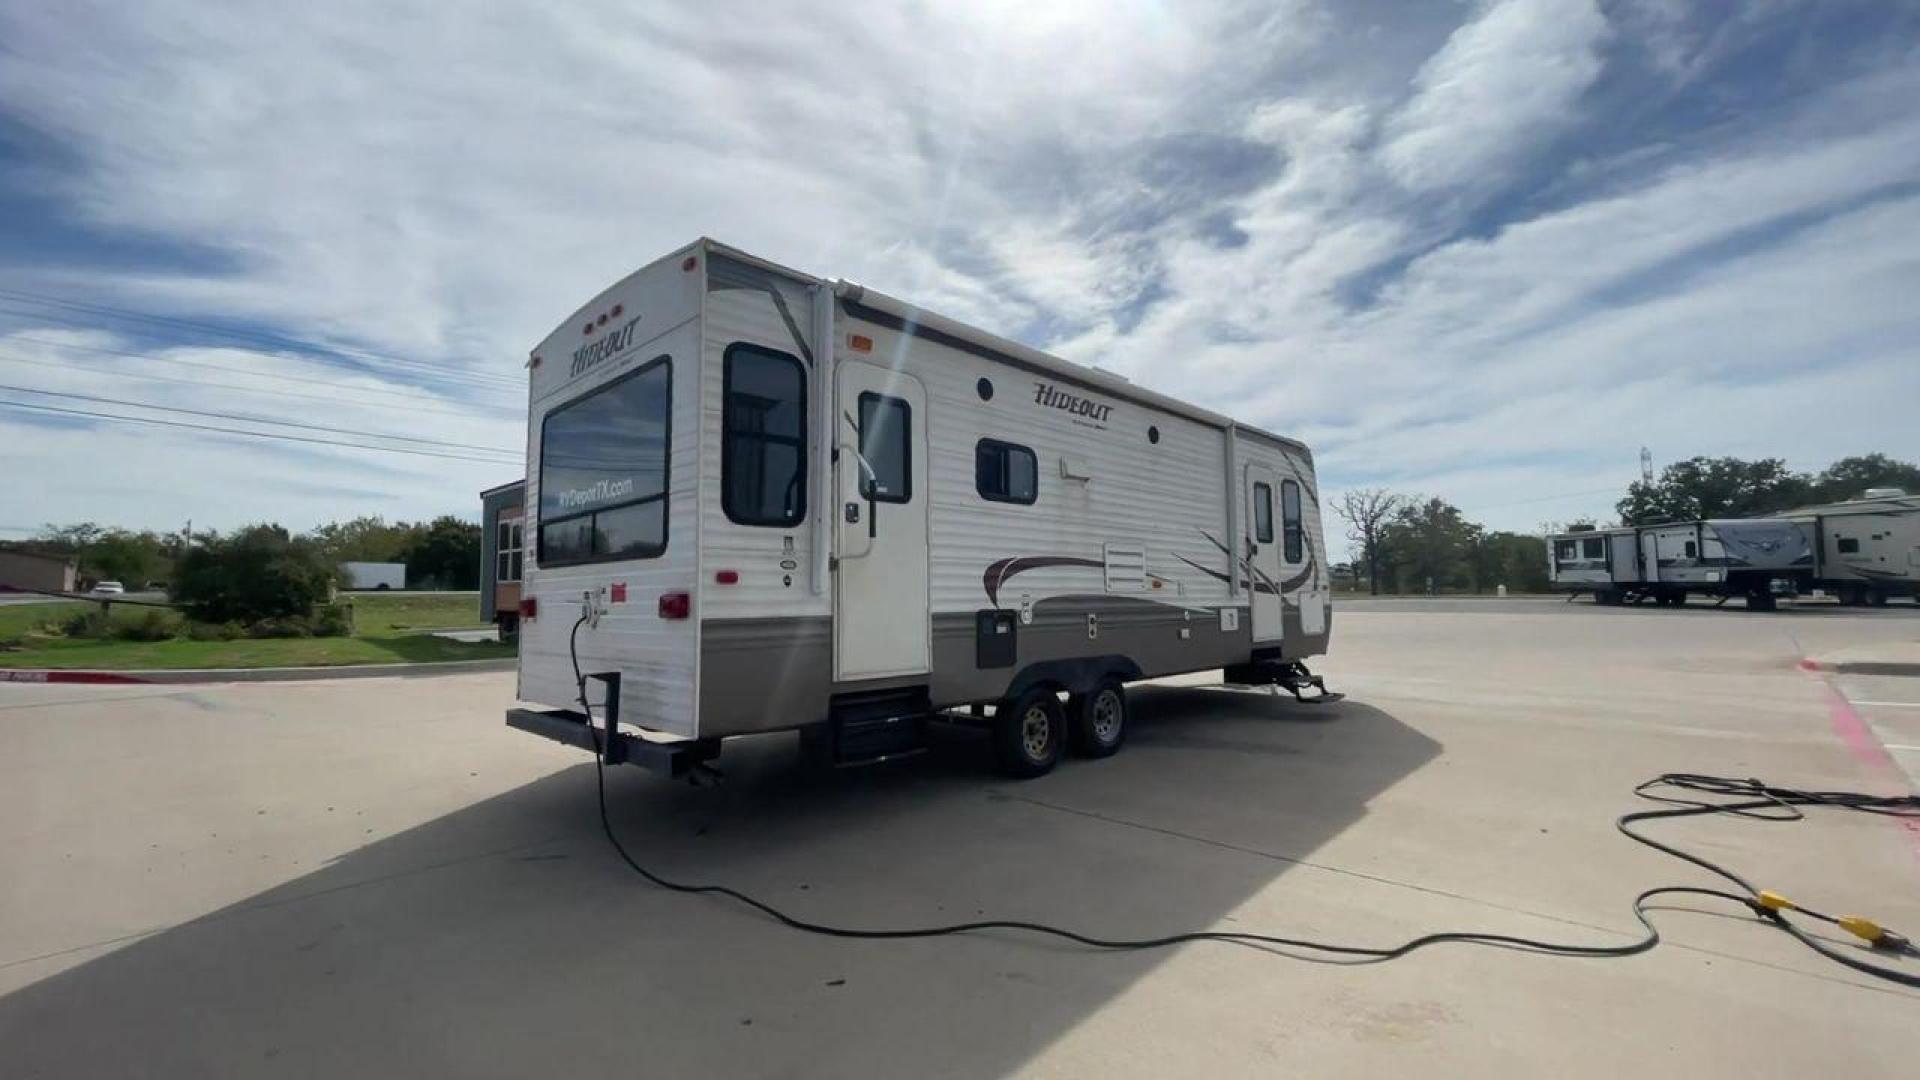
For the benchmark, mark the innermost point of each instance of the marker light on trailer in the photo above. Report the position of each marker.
(726, 577)
(675, 605)
(529, 607)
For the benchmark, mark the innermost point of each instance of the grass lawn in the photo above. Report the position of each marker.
(390, 629)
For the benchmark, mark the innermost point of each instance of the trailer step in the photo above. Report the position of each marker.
(881, 726)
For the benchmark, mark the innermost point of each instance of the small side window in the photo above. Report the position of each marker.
(1005, 472)
(886, 427)
(1593, 547)
(1262, 513)
(1849, 546)
(1566, 550)
(508, 539)
(1293, 535)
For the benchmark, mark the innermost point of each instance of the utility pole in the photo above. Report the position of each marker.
(1646, 465)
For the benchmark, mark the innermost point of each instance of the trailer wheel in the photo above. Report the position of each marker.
(1028, 732)
(1761, 600)
(1099, 719)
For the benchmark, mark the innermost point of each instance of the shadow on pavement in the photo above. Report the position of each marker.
(506, 939)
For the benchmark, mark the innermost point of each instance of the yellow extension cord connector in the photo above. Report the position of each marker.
(1858, 925)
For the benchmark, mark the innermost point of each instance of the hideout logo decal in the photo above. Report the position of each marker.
(1085, 411)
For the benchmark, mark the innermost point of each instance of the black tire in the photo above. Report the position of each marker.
(1029, 733)
(1761, 601)
(1876, 598)
(1098, 720)
(1679, 599)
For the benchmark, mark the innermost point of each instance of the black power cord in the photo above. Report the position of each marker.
(1754, 800)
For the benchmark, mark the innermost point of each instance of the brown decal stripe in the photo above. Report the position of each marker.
(998, 573)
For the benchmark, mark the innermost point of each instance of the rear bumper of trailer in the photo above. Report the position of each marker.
(680, 758)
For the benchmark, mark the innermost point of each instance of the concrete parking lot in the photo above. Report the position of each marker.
(378, 878)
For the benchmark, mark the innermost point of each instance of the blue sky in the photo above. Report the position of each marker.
(1480, 250)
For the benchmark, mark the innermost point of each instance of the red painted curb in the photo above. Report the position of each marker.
(93, 677)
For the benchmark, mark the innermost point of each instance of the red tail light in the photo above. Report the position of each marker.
(727, 577)
(676, 605)
(529, 607)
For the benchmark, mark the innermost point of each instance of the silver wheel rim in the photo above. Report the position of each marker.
(1036, 733)
(1106, 716)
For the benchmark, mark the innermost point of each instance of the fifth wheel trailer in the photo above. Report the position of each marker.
(758, 500)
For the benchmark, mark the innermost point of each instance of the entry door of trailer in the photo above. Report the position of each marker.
(1262, 552)
(1650, 557)
(1621, 548)
(881, 619)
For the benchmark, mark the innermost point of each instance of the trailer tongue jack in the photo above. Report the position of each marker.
(1289, 675)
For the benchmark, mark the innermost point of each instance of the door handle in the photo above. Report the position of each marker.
(853, 542)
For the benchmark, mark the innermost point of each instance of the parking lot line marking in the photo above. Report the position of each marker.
(1891, 704)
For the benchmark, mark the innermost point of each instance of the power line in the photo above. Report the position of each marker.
(1541, 499)
(319, 353)
(240, 431)
(267, 391)
(215, 367)
(244, 418)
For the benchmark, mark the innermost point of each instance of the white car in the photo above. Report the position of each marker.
(108, 588)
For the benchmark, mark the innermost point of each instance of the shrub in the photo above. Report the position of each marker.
(286, 626)
(91, 624)
(227, 631)
(332, 620)
(156, 625)
(252, 575)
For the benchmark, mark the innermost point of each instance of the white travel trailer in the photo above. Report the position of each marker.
(757, 500)
(1869, 547)
(1862, 551)
(1756, 558)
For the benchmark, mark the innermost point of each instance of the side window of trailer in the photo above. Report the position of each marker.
(507, 547)
(1593, 547)
(1005, 472)
(1566, 550)
(763, 437)
(1262, 513)
(1293, 535)
(603, 471)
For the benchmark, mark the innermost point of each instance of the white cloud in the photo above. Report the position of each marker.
(1192, 195)
(1503, 83)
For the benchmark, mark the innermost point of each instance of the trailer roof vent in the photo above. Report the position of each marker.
(1884, 493)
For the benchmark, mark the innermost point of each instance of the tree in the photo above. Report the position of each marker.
(1515, 560)
(259, 572)
(1366, 511)
(368, 539)
(120, 555)
(1429, 543)
(1850, 477)
(1703, 487)
(447, 555)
